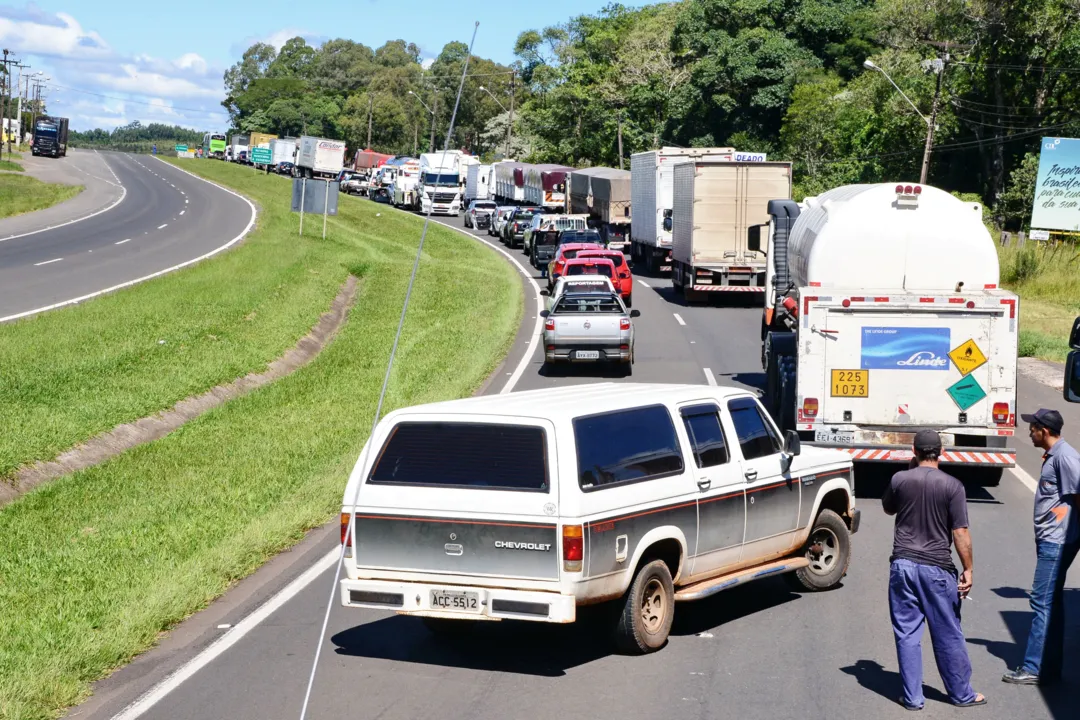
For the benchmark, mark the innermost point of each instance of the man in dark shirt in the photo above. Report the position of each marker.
(931, 514)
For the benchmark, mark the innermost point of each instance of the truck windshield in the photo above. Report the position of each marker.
(465, 455)
(47, 128)
(442, 179)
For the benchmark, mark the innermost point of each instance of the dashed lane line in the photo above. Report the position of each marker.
(48, 262)
(709, 376)
(679, 319)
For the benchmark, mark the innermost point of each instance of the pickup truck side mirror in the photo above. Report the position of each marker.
(1071, 389)
(544, 313)
(792, 443)
(635, 313)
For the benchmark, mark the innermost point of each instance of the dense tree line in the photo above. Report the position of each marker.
(136, 137)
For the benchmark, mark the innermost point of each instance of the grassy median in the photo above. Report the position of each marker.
(1047, 279)
(10, 165)
(94, 566)
(22, 194)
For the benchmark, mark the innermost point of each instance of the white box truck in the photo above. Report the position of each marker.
(282, 150)
(884, 316)
(440, 192)
(478, 183)
(238, 148)
(319, 157)
(650, 197)
(714, 204)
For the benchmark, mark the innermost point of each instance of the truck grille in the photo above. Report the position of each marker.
(445, 197)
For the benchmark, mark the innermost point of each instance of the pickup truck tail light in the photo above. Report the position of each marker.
(346, 536)
(1001, 413)
(549, 325)
(573, 548)
(810, 407)
(624, 323)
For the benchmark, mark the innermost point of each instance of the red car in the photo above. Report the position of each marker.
(591, 266)
(624, 282)
(564, 253)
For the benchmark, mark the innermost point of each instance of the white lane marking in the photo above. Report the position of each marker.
(679, 318)
(123, 194)
(183, 211)
(227, 639)
(1023, 476)
(163, 226)
(643, 283)
(47, 262)
(185, 201)
(215, 251)
(122, 242)
(709, 376)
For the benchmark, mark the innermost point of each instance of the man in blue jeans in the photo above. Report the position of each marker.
(1057, 539)
(931, 515)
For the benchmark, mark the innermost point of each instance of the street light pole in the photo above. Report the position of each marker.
(510, 124)
(432, 112)
(939, 68)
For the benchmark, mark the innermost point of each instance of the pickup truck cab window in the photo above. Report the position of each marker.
(756, 435)
(597, 303)
(626, 446)
(467, 455)
(706, 435)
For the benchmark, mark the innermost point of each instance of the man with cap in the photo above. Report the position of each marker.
(931, 516)
(1057, 539)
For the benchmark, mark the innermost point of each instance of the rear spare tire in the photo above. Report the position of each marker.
(648, 609)
(829, 551)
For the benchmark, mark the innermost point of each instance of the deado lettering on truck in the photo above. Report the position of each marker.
(883, 315)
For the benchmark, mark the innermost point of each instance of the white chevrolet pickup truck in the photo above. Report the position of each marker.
(528, 505)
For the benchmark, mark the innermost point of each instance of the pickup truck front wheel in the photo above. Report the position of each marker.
(647, 612)
(829, 551)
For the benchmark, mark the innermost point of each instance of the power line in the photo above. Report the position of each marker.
(1025, 68)
(125, 100)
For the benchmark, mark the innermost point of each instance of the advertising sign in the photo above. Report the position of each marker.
(898, 348)
(1057, 187)
(749, 157)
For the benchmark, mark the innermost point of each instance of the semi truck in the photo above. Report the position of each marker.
(319, 157)
(650, 195)
(603, 194)
(439, 188)
(714, 204)
(478, 183)
(510, 182)
(50, 136)
(545, 186)
(884, 316)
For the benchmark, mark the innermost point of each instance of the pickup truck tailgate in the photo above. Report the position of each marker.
(587, 328)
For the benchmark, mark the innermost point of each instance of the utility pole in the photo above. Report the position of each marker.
(5, 76)
(938, 66)
(434, 112)
(619, 117)
(415, 136)
(510, 124)
(370, 103)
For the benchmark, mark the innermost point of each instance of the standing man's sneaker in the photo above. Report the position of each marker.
(1020, 676)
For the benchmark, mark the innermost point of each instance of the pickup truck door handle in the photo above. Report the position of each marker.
(704, 483)
(751, 474)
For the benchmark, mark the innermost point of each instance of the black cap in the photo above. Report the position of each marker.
(927, 440)
(1049, 419)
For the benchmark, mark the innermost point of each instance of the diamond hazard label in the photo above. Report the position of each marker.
(967, 357)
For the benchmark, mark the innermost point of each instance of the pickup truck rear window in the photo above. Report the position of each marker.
(626, 446)
(484, 456)
(577, 304)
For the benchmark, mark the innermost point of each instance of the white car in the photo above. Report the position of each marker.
(527, 505)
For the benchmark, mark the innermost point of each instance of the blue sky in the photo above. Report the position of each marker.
(163, 62)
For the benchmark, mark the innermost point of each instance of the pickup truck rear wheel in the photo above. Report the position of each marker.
(829, 551)
(648, 609)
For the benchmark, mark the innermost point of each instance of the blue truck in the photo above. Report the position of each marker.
(50, 136)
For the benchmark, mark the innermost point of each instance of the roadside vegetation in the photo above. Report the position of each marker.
(94, 566)
(1047, 279)
(10, 165)
(22, 194)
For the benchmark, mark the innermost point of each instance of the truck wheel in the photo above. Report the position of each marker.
(829, 551)
(991, 477)
(648, 609)
(630, 300)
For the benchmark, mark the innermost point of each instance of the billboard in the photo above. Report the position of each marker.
(1057, 187)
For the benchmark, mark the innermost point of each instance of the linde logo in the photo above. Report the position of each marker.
(924, 359)
(512, 545)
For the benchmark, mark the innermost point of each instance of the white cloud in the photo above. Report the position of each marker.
(186, 90)
(426, 63)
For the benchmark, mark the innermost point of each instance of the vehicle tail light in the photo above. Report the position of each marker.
(1001, 412)
(810, 407)
(549, 324)
(624, 348)
(346, 537)
(573, 548)
(624, 323)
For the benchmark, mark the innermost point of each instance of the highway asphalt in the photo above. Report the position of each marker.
(165, 218)
(756, 652)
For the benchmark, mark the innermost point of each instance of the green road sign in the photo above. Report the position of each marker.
(965, 392)
(261, 156)
(181, 148)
